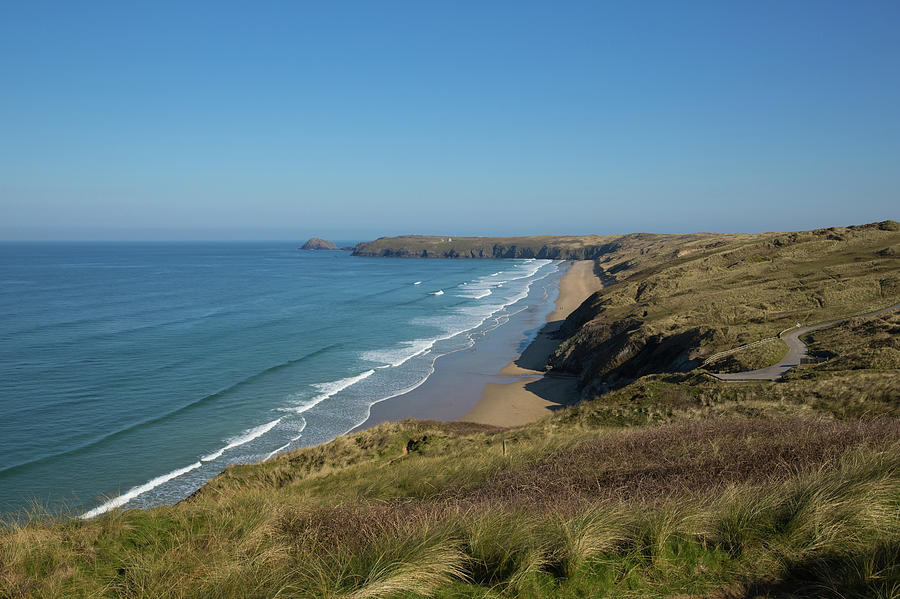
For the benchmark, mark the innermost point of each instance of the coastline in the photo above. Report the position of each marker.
(457, 378)
(497, 381)
(528, 392)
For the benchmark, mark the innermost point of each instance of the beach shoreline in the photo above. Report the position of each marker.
(500, 380)
(527, 392)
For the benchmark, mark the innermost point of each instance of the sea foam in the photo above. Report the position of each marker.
(139, 490)
(272, 453)
(396, 356)
(460, 319)
(329, 389)
(469, 317)
(245, 437)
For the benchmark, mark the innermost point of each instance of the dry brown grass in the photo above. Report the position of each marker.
(648, 501)
(746, 488)
(642, 466)
(666, 313)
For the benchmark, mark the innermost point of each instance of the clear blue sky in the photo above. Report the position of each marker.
(263, 120)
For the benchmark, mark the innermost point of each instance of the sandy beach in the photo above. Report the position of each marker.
(481, 384)
(528, 393)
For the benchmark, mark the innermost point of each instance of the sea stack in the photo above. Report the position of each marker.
(318, 244)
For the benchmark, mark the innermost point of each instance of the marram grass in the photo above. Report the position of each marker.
(671, 485)
(829, 530)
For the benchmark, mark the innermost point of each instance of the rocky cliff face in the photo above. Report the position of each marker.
(542, 247)
(318, 244)
(492, 251)
(605, 354)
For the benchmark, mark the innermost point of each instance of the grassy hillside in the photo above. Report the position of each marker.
(672, 484)
(764, 354)
(734, 505)
(670, 305)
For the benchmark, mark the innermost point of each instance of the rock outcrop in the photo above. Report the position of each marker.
(318, 244)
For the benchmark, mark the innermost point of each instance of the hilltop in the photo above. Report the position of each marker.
(663, 481)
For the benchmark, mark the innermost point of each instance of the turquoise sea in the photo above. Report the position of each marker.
(132, 373)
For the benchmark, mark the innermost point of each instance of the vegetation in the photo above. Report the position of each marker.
(663, 482)
(744, 505)
(672, 305)
(562, 247)
(750, 358)
(430, 246)
(871, 343)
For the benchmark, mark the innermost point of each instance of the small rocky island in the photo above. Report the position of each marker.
(318, 244)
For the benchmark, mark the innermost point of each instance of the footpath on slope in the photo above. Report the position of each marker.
(797, 351)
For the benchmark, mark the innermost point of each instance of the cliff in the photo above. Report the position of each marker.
(428, 246)
(554, 247)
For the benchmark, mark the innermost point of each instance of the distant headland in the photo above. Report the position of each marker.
(559, 247)
(541, 246)
(553, 247)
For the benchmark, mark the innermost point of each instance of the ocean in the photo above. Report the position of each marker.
(133, 373)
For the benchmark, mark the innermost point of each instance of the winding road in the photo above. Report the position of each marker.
(796, 352)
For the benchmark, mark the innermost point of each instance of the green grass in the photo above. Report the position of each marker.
(751, 358)
(869, 343)
(671, 308)
(630, 533)
(664, 482)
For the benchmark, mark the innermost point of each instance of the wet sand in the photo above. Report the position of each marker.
(458, 378)
(480, 383)
(526, 392)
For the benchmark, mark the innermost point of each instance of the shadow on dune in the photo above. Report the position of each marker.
(538, 352)
(561, 390)
(875, 573)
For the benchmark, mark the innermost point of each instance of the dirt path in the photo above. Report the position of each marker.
(796, 352)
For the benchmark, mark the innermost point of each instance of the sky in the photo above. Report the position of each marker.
(353, 120)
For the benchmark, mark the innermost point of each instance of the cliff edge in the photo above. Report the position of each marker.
(555, 247)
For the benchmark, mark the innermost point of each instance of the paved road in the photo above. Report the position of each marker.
(796, 352)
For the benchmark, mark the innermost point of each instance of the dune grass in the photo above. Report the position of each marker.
(688, 507)
(751, 358)
(673, 304)
(664, 482)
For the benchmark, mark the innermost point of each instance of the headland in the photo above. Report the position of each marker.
(661, 481)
